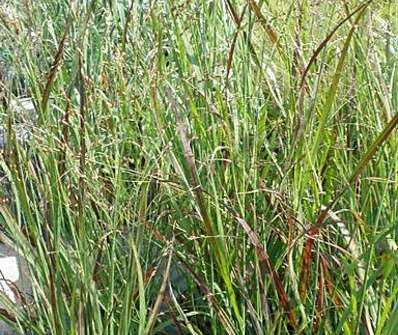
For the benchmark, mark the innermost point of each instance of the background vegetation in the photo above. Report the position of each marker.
(203, 167)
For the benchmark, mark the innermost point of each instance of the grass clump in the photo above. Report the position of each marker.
(202, 167)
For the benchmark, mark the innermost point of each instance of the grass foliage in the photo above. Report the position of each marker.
(203, 167)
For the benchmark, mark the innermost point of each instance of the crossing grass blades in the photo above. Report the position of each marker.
(201, 167)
